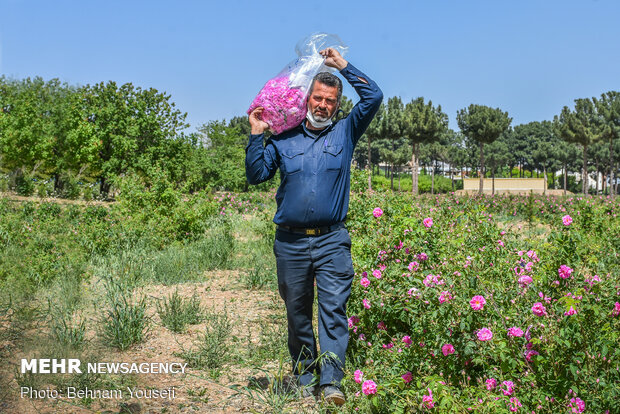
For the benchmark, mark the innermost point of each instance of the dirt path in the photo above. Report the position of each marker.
(256, 326)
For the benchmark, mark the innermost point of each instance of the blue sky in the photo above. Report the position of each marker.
(529, 58)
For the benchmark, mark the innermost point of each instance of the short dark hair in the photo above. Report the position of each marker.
(328, 79)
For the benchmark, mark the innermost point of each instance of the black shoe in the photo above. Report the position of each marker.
(333, 395)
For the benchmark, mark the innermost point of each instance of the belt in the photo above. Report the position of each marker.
(316, 231)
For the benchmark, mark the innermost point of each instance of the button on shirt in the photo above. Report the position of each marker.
(315, 166)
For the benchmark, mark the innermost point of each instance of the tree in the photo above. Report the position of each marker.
(484, 125)
(130, 126)
(373, 132)
(497, 155)
(392, 128)
(423, 124)
(608, 108)
(579, 127)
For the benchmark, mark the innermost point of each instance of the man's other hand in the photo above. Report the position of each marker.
(333, 58)
(256, 123)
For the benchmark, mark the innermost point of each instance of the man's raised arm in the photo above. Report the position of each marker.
(260, 162)
(370, 99)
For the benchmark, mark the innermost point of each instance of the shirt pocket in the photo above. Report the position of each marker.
(333, 157)
(292, 160)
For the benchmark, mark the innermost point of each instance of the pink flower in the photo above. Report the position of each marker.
(567, 220)
(565, 271)
(529, 353)
(285, 107)
(501, 243)
(413, 266)
(510, 386)
(369, 387)
(525, 280)
(485, 334)
(366, 303)
(447, 349)
(427, 400)
(428, 222)
(514, 404)
(365, 282)
(616, 310)
(539, 309)
(514, 331)
(491, 384)
(377, 212)
(381, 326)
(407, 341)
(570, 311)
(376, 273)
(358, 375)
(407, 377)
(445, 296)
(579, 407)
(423, 256)
(353, 320)
(477, 302)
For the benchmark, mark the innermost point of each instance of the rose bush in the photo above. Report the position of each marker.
(494, 307)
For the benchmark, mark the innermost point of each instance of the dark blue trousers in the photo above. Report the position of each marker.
(300, 260)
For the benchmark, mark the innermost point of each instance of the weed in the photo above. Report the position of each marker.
(212, 349)
(176, 313)
(66, 333)
(125, 322)
(273, 391)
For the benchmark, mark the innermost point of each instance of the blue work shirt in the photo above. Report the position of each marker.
(315, 166)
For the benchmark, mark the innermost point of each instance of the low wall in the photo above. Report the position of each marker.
(503, 185)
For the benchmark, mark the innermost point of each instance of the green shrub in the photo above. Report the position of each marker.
(176, 313)
(24, 185)
(211, 347)
(412, 313)
(125, 321)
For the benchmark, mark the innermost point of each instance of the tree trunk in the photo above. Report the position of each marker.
(565, 174)
(370, 167)
(414, 170)
(392, 177)
(493, 181)
(451, 178)
(104, 188)
(432, 179)
(584, 172)
(596, 177)
(611, 166)
(545, 177)
(481, 168)
(399, 179)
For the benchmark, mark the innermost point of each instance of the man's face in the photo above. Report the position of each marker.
(323, 102)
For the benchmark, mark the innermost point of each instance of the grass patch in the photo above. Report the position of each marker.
(211, 348)
(176, 313)
(125, 322)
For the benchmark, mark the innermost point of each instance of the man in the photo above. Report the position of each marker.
(313, 198)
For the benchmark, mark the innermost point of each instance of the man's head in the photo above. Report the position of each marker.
(324, 96)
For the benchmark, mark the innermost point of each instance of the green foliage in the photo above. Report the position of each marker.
(176, 313)
(125, 321)
(420, 301)
(211, 348)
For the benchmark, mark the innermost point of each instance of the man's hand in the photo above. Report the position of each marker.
(256, 123)
(333, 58)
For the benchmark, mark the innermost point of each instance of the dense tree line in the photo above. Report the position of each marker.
(98, 134)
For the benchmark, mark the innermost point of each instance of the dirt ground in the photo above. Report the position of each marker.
(196, 390)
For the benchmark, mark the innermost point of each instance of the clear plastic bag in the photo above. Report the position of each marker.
(284, 96)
